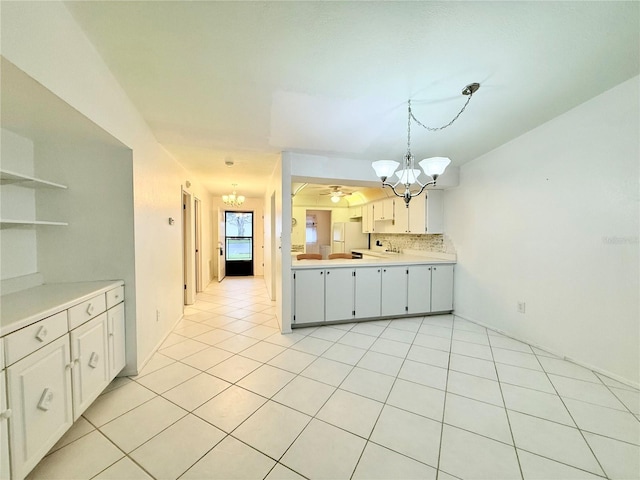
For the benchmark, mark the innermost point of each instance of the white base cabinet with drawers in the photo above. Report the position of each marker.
(55, 368)
(352, 293)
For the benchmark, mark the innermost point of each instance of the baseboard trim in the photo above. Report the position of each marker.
(155, 349)
(552, 352)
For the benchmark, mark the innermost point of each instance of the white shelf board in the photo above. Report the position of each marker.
(9, 178)
(8, 223)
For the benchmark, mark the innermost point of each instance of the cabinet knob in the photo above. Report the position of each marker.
(117, 296)
(42, 333)
(93, 360)
(328, 273)
(45, 400)
(6, 414)
(69, 366)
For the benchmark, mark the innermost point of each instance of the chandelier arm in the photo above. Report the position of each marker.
(393, 188)
(435, 129)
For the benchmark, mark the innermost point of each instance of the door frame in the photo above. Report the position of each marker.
(220, 250)
(188, 261)
(198, 242)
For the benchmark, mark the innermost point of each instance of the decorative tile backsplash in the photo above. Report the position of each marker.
(430, 243)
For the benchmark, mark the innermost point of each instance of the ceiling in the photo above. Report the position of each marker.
(246, 80)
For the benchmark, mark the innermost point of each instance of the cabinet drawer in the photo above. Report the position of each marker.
(29, 339)
(115, 296)
(86, 311)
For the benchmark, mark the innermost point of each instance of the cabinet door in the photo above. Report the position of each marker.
(442, 288)
(378, 210)
(417, 215)
(367, 292)
(394, 291)
(117, 355)
(401, 216)
(308, 296)
(419, 289)
(89, 351)
(39, 390)
(4, 430)
(338, 294)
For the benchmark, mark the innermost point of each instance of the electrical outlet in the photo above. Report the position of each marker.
(157, 315)
(521, 307)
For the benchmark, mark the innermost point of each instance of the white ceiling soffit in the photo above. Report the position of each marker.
(249, 79)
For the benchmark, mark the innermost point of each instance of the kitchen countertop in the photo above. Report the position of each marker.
(23, 308)
(379, 258)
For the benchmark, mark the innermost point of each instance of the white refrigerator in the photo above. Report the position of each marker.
(348, 236)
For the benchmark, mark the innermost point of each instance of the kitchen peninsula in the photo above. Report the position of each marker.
(379, 285)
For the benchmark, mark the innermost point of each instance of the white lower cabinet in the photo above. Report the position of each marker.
(353, 293)
(338, 294)
(394, 291)
(419, 288)
(56, 367)
(367, 292)
(39, 388)
(441, 288)
(309, 296)
(116, 344)
(89, 351)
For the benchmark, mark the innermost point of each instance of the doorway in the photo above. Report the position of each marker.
(238, 243)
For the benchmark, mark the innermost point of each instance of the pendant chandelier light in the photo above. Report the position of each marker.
(233, 200)
(433, 167)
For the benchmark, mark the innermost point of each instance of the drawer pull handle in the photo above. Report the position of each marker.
(42, 333)
(45, 399)
(6, 414)
(94, 359)
(90, 309)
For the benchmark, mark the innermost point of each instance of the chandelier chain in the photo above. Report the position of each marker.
(435, 129)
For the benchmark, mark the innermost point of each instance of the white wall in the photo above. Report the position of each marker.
(277, 201)
(43, 40)
(551, 219)
(18, 246)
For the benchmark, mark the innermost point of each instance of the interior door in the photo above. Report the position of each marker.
(221, 235)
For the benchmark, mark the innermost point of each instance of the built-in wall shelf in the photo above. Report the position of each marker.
(9, 178)
(6, 223)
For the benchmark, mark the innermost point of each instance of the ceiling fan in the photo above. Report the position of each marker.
(336, 192)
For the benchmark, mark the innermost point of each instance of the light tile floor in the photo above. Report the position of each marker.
(227, 396)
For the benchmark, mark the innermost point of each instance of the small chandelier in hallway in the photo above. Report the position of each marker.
(233, 200)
